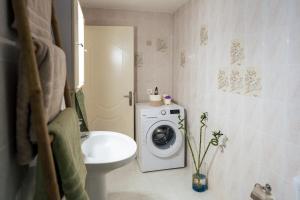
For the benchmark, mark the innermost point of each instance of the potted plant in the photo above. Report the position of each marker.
(199, 182)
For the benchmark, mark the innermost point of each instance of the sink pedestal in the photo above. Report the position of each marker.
(103, 152)
(96, 186)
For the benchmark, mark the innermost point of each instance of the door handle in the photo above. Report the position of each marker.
(80, 44)
(129, 96)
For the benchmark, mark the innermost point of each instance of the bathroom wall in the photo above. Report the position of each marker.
(153, 45)
(16, 182)
(64, 14)
(239, 61)
(11, 174)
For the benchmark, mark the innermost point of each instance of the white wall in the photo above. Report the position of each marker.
(264, 130)
(156, 69)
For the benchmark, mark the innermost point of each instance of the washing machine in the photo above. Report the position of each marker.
(161, 145)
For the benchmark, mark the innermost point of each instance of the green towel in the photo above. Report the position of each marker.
(80, 109)
(68, 157)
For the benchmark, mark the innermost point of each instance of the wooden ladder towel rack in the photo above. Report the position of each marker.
(39, 123)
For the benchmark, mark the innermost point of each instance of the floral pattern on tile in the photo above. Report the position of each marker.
(223, 80)
(149, 43)
(237, 53)
(203, 35)
(161, 45)
(236, 80)
(253, 85)
(139, 59)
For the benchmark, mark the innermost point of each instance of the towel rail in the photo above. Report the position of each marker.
(39, 123)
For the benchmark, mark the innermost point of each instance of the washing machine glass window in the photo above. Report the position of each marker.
(163, 137)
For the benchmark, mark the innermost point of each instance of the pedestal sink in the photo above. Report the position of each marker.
(103, 152)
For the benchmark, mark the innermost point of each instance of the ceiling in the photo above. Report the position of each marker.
(168, 6)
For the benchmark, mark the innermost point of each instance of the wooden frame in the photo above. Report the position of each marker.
(39, 123)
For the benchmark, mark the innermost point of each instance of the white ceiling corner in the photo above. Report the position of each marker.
(168, 6)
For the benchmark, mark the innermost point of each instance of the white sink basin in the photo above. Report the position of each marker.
(107, 150)
(103, 152)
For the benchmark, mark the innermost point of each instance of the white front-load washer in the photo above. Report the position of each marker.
(161, 145)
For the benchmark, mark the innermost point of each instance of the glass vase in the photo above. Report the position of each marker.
(200, 181)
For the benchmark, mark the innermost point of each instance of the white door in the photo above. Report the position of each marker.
(79, 44)
(109, 78)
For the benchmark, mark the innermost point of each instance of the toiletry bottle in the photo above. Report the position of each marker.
(156, 91)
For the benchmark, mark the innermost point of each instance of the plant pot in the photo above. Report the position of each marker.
(155, 100)
(167, 101)
(199, 182)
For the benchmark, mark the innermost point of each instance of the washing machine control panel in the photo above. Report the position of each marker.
(172, 112)
(175, 112)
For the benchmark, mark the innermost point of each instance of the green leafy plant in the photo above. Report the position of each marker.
(214, 141)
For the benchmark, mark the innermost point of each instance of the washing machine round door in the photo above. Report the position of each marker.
(164, 139)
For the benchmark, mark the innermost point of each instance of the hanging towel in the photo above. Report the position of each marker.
(81, 111)
(39, 17)
(52, 70)
(51, 63)
(68, 156)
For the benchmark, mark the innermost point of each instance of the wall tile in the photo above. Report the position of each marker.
(293, 51)
(263, 131)
(11, 174)
(293, 22)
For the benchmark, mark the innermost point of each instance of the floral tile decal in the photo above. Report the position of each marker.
(236, 53)
(182, 58)
(203, 35)
(139, 60)
(239, 79)
(253, 85)
(161, 45)
(223, 80)
(149, 43)
(236, 80)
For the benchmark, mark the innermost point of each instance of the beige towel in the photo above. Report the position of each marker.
(52, 70)
(39, 15)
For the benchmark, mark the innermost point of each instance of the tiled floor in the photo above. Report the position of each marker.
(128, 183)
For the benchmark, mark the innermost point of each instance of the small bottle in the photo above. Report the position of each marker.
(156, 91)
